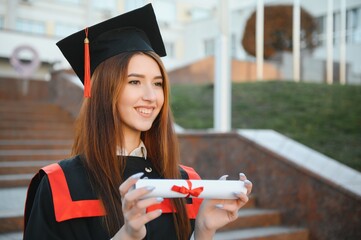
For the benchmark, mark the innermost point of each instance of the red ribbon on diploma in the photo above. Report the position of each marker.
(189, 191)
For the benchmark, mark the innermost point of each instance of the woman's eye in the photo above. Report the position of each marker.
(159, 84)
(134, 82)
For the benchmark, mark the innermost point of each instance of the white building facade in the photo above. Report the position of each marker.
(189, 28)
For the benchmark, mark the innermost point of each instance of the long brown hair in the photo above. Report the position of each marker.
(98, 134)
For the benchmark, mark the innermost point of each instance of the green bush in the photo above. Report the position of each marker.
(324, 117)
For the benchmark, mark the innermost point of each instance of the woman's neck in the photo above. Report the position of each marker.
(131, 141)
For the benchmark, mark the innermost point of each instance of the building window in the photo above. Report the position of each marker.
(321, 25)
(30, 26)
(209, 47)
(199, 14)
(233, 46)
(336, 27)
(63, 30)
(320, 21)
(353, 25)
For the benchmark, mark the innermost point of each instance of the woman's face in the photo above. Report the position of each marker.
(142, 97)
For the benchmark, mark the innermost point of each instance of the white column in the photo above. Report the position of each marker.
(222, 84)
(343, 42)
(10, 20)
(296, 39)
(329, 39)
(259, 38)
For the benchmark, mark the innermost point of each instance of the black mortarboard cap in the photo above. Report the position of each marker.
(136, 30)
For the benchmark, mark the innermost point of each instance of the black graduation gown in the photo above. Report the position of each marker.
(42, 219)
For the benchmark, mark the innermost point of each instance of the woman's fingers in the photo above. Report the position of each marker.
(141, 205)
(128, 184)
(132, 197)
(139, 208)
(242, 177)
(141, 220)
(134, 206)
(224, 177)
(247, 183)
(234, 205)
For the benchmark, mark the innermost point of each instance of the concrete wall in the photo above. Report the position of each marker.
(304, 198)
(66, 92)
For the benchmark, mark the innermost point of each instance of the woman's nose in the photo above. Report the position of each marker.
(149, 93)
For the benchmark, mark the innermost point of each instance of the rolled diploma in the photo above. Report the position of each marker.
(212, 189)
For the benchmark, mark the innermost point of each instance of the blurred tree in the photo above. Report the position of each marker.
(278, 30)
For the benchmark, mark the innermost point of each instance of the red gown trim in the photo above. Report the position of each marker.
(65, 208)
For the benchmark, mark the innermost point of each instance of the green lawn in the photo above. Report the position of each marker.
(324, 117)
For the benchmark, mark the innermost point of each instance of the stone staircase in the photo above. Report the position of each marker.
(34, 134)
(260, 224)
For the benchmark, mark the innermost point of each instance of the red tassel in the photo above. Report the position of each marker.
(86, 65)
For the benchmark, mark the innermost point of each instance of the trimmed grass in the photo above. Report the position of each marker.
(324, 117)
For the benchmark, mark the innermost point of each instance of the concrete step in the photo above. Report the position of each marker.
(36, 110)
(11, 236)
(29, 154)
(298, 234)
(48, 144)
(15, 180)
(27, 106)
(35, 125)
(11, 224)
(31, 134)
(33, 155)
(59, 117)
(254, 217)
(33, 158)
(264, 233)
(22, 167)
(30, 108)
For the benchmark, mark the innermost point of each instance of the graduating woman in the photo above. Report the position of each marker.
(124, 132)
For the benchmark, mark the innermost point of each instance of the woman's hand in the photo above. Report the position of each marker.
(134, 209)
(214, 213)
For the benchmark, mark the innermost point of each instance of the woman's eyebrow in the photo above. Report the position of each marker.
(136, 75)
(143, 76)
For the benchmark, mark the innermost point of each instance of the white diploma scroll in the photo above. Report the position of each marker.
(178, 188)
